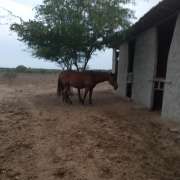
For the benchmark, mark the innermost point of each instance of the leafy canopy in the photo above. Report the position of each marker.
(70, 31)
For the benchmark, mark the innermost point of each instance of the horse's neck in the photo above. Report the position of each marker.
(102, 77)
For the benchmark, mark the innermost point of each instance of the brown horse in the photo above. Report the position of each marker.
(83, 80)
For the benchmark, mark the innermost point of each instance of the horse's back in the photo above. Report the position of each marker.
(76, 75)
(77, 79)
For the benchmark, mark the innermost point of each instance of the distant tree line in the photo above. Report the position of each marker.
(24, 69)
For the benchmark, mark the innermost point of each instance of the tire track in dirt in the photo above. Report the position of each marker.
(150, 147)
(16, 139)
(70, 150)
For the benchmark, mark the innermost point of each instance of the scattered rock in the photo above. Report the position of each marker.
(174, 130)
(106, 173)
(61, 172)
(3, 171)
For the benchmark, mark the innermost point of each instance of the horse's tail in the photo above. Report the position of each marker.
(59, 86)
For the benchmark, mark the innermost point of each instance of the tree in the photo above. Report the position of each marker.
(70, 31)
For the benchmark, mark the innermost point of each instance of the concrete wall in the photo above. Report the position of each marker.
(122, 70)
(171, 103)
(144, 67)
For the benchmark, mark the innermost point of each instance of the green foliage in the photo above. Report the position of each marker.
(70, 31)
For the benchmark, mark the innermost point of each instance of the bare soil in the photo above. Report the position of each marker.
(41, 138)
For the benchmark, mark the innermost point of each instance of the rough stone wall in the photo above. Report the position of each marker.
(144, 67)
(171, 103)
(122, 70)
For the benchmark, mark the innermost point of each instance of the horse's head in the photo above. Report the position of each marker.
(113, 81)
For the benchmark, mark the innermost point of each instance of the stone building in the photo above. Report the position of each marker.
(147, 60)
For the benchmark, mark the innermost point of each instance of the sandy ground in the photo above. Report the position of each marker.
(42, 138)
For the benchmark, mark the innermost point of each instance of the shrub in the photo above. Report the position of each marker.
(21, 68)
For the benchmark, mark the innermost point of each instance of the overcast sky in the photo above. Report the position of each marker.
(13, 52)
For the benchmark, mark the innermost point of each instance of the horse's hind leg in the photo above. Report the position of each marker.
(69, 100)
(63, 95)
(85, 94)
(66, 95)
(64, 98)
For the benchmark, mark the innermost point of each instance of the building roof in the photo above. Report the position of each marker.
(166, 9)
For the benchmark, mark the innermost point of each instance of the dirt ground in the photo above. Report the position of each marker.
(41, 138)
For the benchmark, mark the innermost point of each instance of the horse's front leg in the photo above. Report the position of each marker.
(79, 95)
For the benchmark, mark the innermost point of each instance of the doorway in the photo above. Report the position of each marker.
(117, 53)
(164, 38)
(131, 53)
